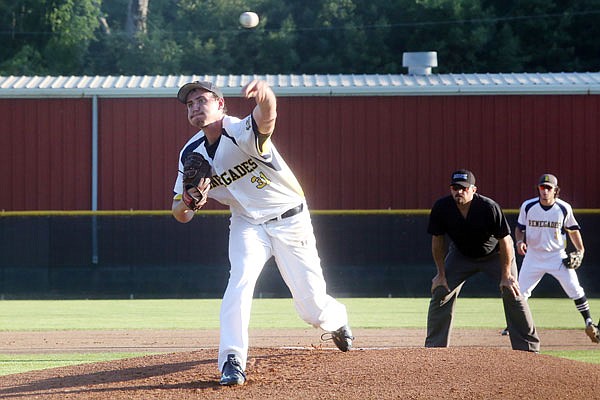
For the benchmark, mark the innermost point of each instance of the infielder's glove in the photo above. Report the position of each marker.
(195, 167)
(573, 260)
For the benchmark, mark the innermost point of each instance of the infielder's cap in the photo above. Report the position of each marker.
(203, 85)
(548, 179)
(462, 177)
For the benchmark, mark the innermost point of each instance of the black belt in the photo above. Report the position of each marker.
(289, 213)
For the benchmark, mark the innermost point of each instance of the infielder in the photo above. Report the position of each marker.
(470, 234)
(269, 217)
(541, 232)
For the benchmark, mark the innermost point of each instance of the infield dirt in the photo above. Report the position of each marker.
(295, 364)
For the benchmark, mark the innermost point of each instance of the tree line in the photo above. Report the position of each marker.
(163, 37)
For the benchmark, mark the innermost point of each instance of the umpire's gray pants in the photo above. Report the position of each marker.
(523, 335)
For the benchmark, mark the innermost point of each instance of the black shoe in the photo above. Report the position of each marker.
(233, 374)
(342, 338)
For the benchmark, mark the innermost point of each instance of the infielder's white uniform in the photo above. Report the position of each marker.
(262, 192)
(546, 240)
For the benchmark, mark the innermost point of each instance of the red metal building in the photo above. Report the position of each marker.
(354, 141)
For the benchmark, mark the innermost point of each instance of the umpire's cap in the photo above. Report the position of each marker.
(462, 177)
(549, 180)
(203, 85)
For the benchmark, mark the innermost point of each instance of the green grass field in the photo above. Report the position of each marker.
(372, 313)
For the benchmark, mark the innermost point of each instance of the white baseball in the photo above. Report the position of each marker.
(248, 19)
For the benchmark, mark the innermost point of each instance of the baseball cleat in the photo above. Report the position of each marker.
(233, 374)
(342, 338)
(593, 332)
(505, 332)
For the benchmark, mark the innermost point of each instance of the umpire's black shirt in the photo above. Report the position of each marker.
(478, 234)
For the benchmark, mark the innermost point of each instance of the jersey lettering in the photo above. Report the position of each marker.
(241, 170)
(246, 167)
(226, 179)
(234, 176)
(545, 224)
(253, 165)
(237, 172)
(216, 181)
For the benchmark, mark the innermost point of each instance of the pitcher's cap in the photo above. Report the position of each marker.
(203, 85)
(548, 179)
(462, 177)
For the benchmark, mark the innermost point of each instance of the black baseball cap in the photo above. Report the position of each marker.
(202, 85)
(549, 180)
(462, 177)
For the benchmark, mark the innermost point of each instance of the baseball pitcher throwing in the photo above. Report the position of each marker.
(269, 216)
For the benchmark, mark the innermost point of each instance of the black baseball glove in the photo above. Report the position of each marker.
(195, 167)
(573, 260)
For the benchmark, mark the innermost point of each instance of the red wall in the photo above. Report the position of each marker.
(398, 152)
(348, 152)
(45, 154)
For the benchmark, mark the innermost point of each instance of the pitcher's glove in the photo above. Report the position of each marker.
(195, 167)
(573, 260)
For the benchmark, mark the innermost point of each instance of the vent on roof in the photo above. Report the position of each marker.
(420, 63)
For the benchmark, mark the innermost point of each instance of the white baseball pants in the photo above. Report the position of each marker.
(534, 267)
(292, 243)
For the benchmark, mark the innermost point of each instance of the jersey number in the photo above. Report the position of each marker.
(261, 181)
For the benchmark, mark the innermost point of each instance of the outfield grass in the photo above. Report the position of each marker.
(16, 363)
(32, 315)
(374, 313)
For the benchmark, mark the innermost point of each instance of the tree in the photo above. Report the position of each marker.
(137, 18)
(295, 36)
(25, 32)
(74, 24)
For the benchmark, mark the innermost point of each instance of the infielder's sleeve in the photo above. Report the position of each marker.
(570, 221)
(522, 219)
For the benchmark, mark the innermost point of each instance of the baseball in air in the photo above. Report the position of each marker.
(248, 19)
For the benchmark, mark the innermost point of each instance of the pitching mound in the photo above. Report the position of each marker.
(407, 373)
(387, 364)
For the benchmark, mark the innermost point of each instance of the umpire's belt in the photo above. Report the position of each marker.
(289, 213)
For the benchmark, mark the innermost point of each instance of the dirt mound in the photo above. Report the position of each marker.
(319, 373)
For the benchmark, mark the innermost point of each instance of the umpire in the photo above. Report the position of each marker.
(479, 241)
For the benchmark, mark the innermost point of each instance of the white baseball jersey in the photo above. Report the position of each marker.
(257, 185)
(544, 227)
(546, 240)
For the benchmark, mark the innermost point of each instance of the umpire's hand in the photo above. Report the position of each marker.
(439, 280)
(510, 283)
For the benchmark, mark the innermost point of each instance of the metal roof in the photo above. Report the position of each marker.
(306, 85)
